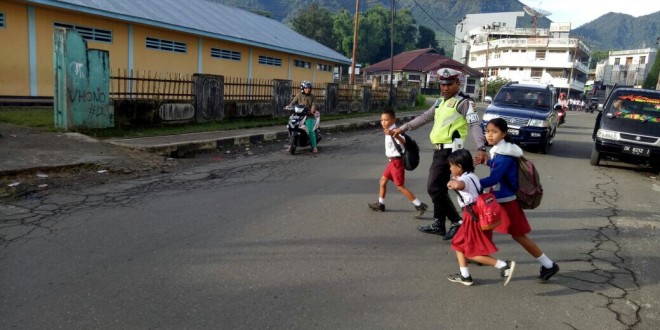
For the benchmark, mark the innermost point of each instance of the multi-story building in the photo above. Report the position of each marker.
(544, 56)
(626, 67)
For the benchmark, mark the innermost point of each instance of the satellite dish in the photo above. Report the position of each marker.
(535, 12)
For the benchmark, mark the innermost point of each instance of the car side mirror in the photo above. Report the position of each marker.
(557, 107)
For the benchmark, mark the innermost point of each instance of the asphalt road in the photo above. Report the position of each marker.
(274, 241)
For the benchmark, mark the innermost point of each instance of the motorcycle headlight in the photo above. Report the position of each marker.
(488, 116)
(605, 134)
(538, 123)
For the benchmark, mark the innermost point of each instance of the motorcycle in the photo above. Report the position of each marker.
(298, 133)
(561, 113)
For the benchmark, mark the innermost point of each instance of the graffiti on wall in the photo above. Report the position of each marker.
(82, 83)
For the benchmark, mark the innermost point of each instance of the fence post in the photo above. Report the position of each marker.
(281, 96)
(331, 98)
(208, 97)
(367, 104)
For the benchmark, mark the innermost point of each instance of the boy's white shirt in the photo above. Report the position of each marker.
(470, 192)
(390, 149)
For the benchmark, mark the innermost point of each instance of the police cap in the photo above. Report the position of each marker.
(449, 76)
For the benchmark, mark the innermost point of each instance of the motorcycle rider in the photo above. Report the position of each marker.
(306, 98)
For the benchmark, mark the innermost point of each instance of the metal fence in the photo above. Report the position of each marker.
(145, 85)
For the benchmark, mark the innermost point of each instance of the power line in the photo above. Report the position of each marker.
(436, 22)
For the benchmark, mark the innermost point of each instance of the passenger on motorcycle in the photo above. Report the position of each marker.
(306, 98)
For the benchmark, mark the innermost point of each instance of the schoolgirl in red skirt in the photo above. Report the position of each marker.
(504, 180)
(470, 241)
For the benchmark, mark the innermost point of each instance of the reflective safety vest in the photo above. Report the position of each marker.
(447, 120)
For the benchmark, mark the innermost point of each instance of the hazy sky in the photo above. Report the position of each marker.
(580, 12)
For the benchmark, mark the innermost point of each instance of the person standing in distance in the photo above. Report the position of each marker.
(453, 116)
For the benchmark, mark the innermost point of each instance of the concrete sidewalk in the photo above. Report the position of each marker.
(27, 150)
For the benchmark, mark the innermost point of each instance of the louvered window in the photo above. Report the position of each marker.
(270, 61)
(167, 45)
(2, 20)
(225, 54)
(302, 64)
(88, 33)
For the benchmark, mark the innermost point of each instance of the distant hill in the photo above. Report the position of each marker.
(614, 31)
(609, 32)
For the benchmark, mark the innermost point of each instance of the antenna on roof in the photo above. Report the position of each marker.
(535, 12)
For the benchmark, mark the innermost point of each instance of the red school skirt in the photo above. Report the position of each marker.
(515, 222)
(471, 240)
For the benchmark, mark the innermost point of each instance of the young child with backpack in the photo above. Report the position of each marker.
(471, 241)
(504, 180)
(394, 170)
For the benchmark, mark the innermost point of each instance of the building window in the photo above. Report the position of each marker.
(642, 60)
(167, 45)
(302, 64)
(536, 73)
(555, 73)
(2, 20)
(414, 77)
(498, 54)
(617, 61)
(540, 54)
(88, 33)
(225, 54)
(266, 60)
(324, 67)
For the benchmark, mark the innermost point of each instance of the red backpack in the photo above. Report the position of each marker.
(530, 191)
(486, 210)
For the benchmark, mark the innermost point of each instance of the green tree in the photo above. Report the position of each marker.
(342, 29)
(315, 23)
(652, 78)
(598, 56)
(426, 38)
(495, 85)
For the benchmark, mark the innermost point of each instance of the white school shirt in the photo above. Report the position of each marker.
(390, 149)
(470, 192)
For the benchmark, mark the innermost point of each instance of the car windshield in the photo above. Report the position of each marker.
(534, 98)
(632, 106)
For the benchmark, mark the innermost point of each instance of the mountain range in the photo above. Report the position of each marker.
(612, 31)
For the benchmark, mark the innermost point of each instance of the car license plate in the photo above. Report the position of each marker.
(512, 131)
(637, 151)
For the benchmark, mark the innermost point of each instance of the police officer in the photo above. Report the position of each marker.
(453, 116)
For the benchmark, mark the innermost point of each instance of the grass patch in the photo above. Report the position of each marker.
(38, 116)
(41, 117)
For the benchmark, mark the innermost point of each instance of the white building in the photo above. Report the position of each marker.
(472, 21)
(545, 56)
(626, 67)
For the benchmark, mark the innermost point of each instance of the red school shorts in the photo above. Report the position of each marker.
(395, 172)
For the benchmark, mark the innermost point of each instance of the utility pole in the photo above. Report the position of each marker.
(483, 92)
(570, 76)
(355, 39)
(392, 98)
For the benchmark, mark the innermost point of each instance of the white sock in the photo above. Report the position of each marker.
(545, 261)
(465, 272)
(381, 200)
(500, 264)
(417, 202)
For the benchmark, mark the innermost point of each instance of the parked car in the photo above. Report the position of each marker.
(529, 112)
(628, 128)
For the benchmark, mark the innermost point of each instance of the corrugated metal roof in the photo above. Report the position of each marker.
(206, 18)
(422, 60)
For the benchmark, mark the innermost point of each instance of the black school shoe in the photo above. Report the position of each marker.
(547, 273)
(377, 206)
(452, 230)
(436, 228)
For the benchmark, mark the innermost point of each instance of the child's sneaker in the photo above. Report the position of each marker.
(377, 206)
(458, 278)
(547, 273)
(507, 271)
(420, 210)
